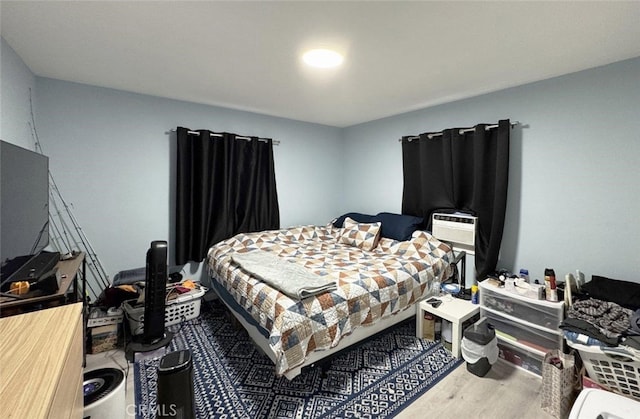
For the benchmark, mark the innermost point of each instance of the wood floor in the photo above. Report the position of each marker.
(504, 393)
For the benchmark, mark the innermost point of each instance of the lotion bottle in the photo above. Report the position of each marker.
(550, 285)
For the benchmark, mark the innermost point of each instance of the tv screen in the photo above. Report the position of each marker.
(24, 205)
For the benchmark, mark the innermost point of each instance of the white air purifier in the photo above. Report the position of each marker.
(104, 394)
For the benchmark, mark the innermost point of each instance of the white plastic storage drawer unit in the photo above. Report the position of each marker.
(525, 333)
(526, 358)
(526, 328)
(541, 312)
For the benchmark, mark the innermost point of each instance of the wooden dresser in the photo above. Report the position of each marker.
(41, 357)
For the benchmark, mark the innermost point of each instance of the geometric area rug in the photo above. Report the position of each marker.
(376, 378)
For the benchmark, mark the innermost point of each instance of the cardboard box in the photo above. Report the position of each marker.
(103, 338)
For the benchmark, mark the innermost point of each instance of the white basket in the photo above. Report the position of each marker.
(184, 307)
(614, 368)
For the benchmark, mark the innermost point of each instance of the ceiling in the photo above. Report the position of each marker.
(399, 56)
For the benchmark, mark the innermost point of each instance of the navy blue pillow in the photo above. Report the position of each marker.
(398, 227)
(355, 216)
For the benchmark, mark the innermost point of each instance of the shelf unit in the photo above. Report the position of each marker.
(526, 328)
(69, 291)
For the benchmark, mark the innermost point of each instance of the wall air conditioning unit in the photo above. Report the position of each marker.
(458, 229)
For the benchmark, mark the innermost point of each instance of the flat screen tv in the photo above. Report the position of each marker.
(24, 206)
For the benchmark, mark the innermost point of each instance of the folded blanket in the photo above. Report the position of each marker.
(291, 279)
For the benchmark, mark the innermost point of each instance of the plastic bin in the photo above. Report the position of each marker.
(479, 347)
(526, 333)
(103, 329)
(524, 358)
(614, 368)
(594, 403)
(539, 312)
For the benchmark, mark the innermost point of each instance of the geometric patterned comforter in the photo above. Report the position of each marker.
(370, 284)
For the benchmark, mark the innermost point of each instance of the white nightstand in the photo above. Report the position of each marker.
(455, 310)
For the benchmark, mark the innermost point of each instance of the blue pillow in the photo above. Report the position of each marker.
(355, 216)
(397, 226)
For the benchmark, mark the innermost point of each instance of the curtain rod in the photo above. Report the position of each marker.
(238, 137)
(462, 131)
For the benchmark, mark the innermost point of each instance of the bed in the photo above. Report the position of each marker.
(376, 280)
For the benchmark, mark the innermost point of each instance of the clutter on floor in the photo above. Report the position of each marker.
(106, 328)
(602, 326)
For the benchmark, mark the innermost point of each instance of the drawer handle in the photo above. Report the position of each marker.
(619, 354)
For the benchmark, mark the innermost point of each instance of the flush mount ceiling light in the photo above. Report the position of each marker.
(322, 58)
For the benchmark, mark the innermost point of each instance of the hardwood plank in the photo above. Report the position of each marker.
(505, 392)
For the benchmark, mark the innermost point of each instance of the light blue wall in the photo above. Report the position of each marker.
(574, 194)
(16, 83)
(113, 158)
(574, 178)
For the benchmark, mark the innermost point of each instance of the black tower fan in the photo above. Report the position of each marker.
(154, 335)
(155, 292)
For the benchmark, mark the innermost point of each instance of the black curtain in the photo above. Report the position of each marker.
(465, 170)
(225, 186)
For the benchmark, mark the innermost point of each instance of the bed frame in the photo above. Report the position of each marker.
(357, 335)
(360, 333)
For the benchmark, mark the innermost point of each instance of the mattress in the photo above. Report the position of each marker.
(370, 284)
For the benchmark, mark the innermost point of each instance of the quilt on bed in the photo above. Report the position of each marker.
(370, 284)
